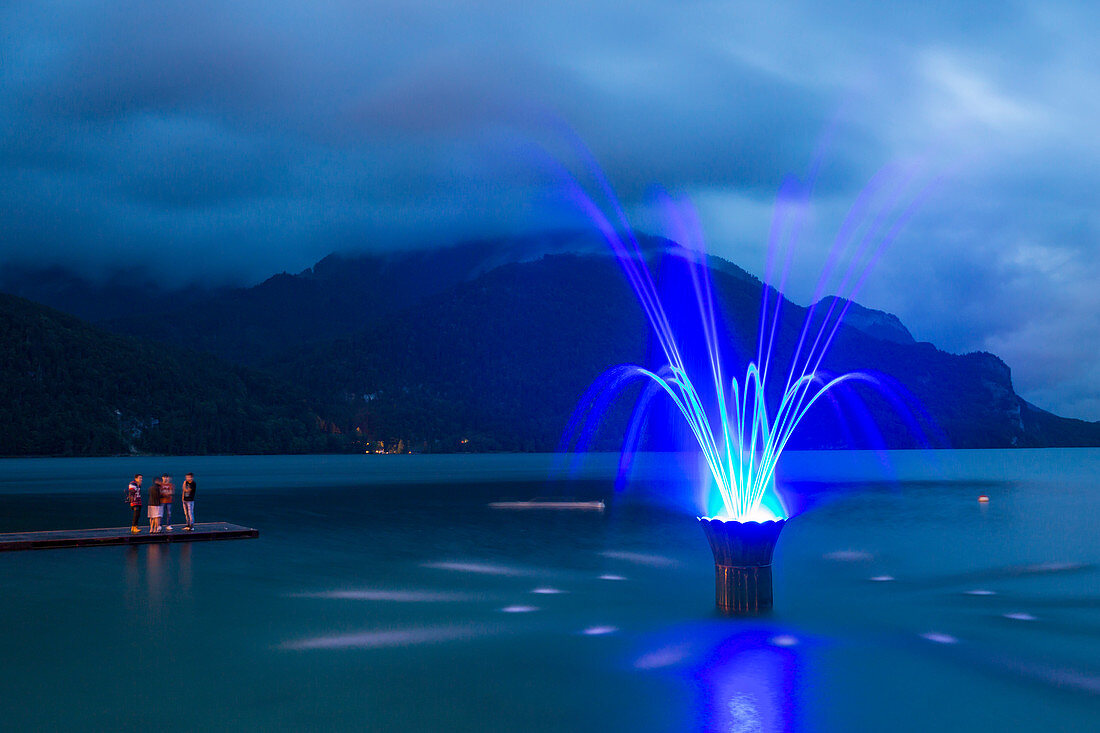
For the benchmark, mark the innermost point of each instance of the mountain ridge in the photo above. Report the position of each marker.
(498, 330)
(463, 352)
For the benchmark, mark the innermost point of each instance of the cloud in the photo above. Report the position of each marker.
(214, 140)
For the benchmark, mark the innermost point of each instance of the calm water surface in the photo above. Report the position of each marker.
(383, 594)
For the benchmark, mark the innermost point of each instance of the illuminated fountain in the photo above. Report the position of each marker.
(741, 427)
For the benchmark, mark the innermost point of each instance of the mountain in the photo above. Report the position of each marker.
(880, 324)
(341, 295)
(489, 345)
(67, 388)
(111, 295)
(500, 361)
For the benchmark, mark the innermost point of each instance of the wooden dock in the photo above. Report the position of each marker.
(121, 536)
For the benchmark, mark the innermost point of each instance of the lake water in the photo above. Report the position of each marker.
(384, 594)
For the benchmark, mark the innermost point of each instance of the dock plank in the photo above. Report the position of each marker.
(58, 538)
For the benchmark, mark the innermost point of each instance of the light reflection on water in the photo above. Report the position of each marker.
(397, 638)
(420, 609)
(400, 596)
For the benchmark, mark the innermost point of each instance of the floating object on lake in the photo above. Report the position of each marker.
(1055, 567)
(1019, 616)
(881, 578)
(640, 558)
(481, 568)
(599, 630)
(663, 657)
(597, 506)
(848, 556)
(983, 499)
(742, 563)
(395, 638)
(398, 596)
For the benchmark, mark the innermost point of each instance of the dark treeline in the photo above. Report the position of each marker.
(67, 388)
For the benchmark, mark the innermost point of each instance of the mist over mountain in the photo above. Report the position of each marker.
(342, 294)
(101, 296)
(488, 346)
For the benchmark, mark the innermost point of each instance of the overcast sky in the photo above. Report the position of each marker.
(233, 140)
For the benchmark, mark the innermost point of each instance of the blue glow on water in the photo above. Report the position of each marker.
(341, 612)
(747, 680)
(749, 683)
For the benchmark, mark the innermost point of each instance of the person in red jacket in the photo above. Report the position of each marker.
(133, 496)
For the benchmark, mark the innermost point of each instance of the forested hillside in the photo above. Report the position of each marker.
(67, 388)
(448, 352)
(501, 361)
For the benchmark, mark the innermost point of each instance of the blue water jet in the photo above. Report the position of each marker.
(741, 426)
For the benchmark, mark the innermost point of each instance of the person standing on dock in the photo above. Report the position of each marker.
(154, 507)
(189, 501)
(133, 496)
(166, 491)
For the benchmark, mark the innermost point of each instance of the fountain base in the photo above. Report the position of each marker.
(742, 563)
